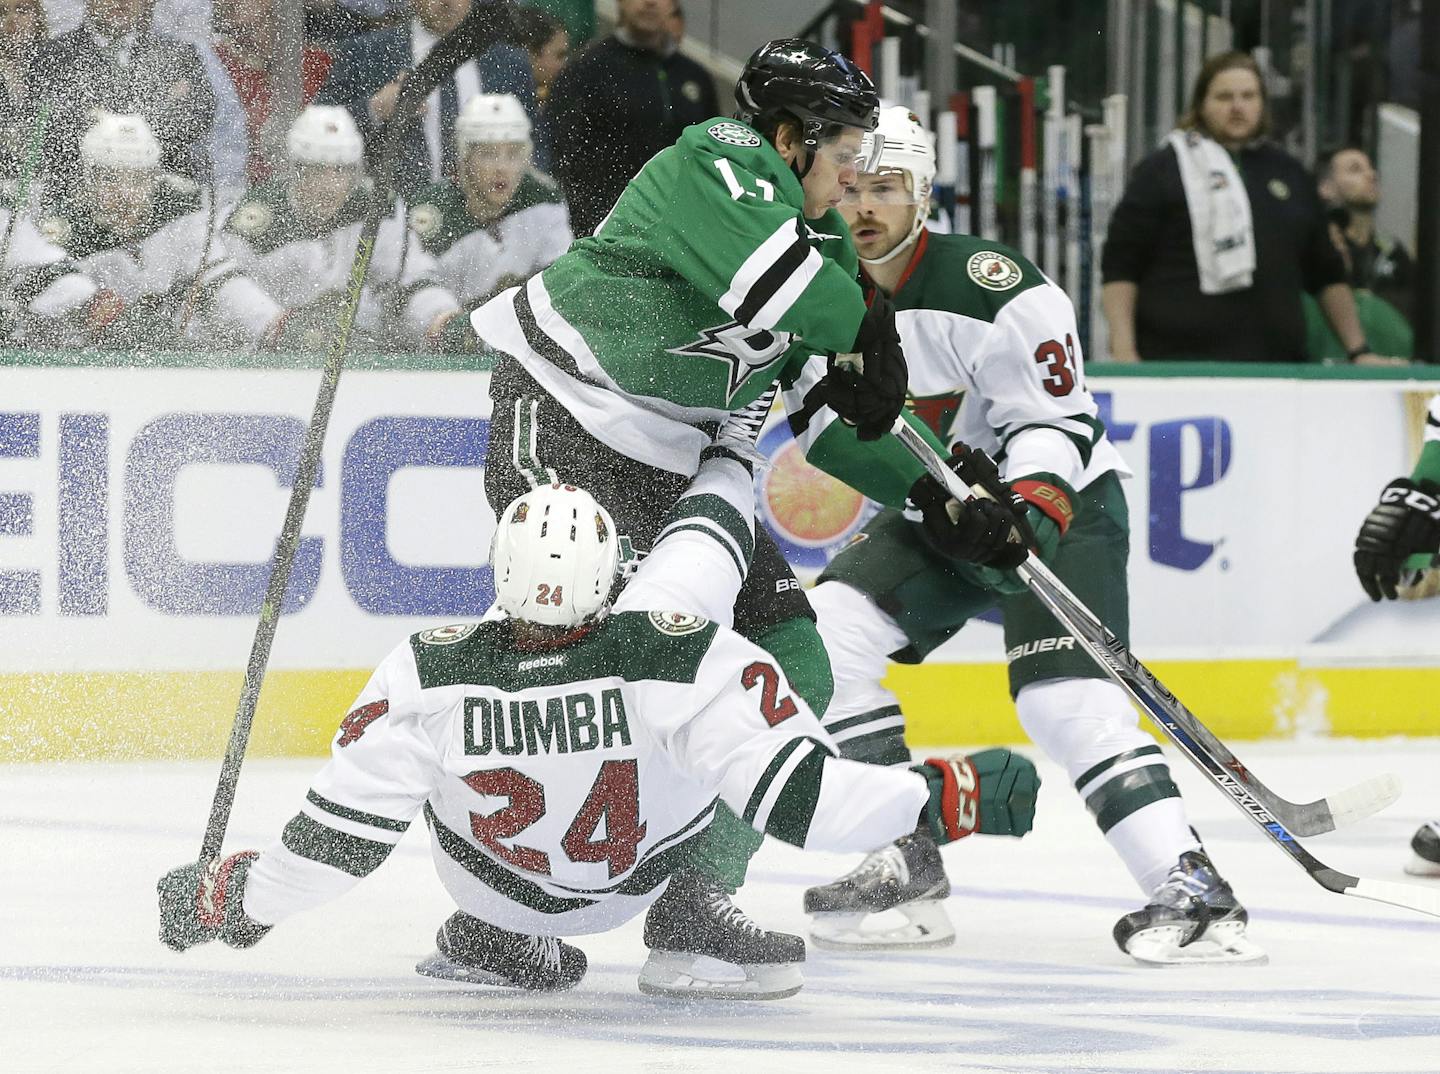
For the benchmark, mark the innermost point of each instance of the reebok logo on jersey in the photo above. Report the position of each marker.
(733, 134)
(540, 662)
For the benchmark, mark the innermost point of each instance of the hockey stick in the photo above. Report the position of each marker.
(1193, 739)
(1309, 818)
(484, 26)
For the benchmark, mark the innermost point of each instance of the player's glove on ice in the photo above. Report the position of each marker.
(1405, 521)
(988, 532)
(199, 903)
(992, 792)
(868, 393)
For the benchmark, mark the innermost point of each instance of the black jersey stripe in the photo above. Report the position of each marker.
(539, 342)
(309, 838)
(772, 279)
(1110, 762)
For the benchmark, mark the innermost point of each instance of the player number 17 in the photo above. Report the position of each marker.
(737, 189)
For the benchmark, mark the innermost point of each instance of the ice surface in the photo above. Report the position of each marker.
(1034, 983)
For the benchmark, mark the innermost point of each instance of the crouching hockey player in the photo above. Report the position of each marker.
(608, 737)
(722, 273)
(994, 362)
(1404, 523)
(298, 238)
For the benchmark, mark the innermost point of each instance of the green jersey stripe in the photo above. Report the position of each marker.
(768, 776)
(711, 531)
(1118, 798)
(1105, 765)
(309, 838)
(720, 511)
(359, 817)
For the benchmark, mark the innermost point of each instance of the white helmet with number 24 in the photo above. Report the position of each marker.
(556, 554)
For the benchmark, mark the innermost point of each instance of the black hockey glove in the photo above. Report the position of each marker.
(868, 393)
(1405, 521)
(992, 792)
(989, 532)
(200, 903)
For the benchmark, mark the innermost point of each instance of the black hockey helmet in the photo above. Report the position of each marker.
(790, 78)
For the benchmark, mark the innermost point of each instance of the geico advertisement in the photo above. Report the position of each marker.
(139, 509)
(139, 512)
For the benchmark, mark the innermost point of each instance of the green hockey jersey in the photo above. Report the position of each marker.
(703, 286)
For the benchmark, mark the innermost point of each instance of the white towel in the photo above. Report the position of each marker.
(1220, 221)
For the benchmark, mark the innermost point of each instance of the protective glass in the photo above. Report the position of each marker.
(840, 150)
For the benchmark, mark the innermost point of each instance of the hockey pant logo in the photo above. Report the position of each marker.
(1042, 645)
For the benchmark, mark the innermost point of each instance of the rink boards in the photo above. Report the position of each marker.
(138, 507)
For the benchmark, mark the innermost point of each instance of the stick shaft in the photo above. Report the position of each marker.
(481, 28)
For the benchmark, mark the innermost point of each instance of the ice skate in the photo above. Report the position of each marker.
(473, 952)
(1193, 917)
(702, 945)
(907, 876)
(1426, 845)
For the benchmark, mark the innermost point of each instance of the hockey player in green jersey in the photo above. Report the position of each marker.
(722, 273)
(500, 220)
(1406, 523)
(995, 364)
(607, 742)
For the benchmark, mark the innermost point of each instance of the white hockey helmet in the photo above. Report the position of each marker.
(325, 134)
(120, 140)
(555, 556)
(907, 148)
(489, 118)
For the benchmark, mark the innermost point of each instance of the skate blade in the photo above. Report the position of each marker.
(1224, 943)
(1418, 866)
(926, 925)
(678, 975)
(443, 968)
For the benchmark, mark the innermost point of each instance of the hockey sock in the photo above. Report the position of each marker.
(876, 737)
(722, 851)
(1089, 726)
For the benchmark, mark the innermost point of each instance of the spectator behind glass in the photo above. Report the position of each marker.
(369, 70)
(501, 222)
(619, 103)
(1377, 263)
(246, 42)
(1217, 234)
(116, 61)
(22, 27)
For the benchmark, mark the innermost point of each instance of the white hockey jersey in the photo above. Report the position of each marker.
(476, 262)
(558, 783)
(299, 268)
(995, 360)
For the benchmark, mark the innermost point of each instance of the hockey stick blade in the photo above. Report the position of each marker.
(1151, 695)
(1408, 896)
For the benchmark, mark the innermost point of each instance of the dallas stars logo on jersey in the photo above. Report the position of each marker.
(745, 351)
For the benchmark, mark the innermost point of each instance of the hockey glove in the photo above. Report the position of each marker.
(988, 532)
(992, 792)
(1405, 521)
(199, 903)
(867, 387)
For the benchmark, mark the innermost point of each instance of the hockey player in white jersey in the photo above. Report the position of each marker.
(1406, 523)
(298, 235)
(564, 755)
(142, 266)
(501, 221)
(995, 364)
